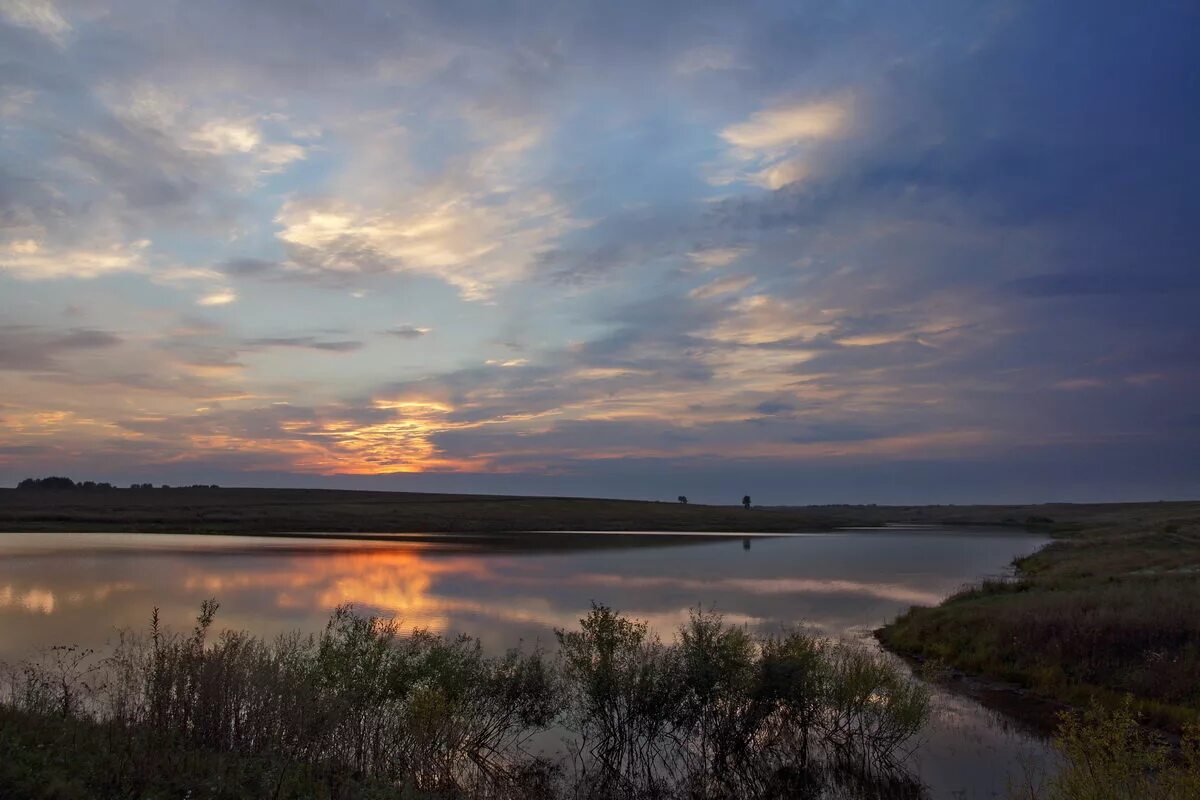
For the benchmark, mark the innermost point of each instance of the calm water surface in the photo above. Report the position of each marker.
(77, 588)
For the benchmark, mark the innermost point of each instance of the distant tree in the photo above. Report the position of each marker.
(683, 499)
(51, 483)
(746, 502)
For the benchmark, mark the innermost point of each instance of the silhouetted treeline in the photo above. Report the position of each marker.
(168, 486)
(57, 483)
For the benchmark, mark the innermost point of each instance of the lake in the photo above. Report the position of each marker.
(62, 588)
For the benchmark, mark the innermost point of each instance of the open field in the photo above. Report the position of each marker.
(277, 510)
(1110, 608)
(229, 510)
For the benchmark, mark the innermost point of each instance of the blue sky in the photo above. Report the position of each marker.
(815, 251)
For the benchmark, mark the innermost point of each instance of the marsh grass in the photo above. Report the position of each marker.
(1101, 614)
(363, 709)
(1110, 755)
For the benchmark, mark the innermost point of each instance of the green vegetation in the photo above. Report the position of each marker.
(1109, 755)
(361, 710)
(1109, 609)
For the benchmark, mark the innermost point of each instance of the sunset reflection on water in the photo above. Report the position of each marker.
(79, 588)
(75, 588)
(399, 582)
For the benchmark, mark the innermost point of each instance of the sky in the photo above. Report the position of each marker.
(811, 251)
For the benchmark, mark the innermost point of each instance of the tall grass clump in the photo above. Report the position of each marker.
(364, 709)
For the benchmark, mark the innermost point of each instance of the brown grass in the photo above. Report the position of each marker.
(1112, 608)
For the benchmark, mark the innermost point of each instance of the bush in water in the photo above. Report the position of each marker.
(714, 713)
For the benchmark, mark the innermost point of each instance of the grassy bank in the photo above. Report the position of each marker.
(364, 710)
(1110, 608)
(209, 510)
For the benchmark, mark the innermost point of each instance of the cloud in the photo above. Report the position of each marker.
(408, 332)
(784, 126)
(38, 15)
(220, 297)
(223, 137)
(238, 140)
(29, 347)
(717, 256)
(33, 259)
(84, 338)
(770, 148)
(706, 58)
(764, 319)
(473, 239)
(734, 283)
(244, 267)
(888, 215)
(304, 343)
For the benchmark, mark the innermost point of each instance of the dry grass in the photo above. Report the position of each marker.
(1111, 608)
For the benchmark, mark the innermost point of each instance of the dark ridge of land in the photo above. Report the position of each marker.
(1108, 610)
(259, 511)
(209, 510)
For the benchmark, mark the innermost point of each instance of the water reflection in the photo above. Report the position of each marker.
(75, 588)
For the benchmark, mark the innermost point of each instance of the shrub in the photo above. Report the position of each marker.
(714, 713)
(1109, 755)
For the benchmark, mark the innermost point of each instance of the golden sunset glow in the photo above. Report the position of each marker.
(330, 250)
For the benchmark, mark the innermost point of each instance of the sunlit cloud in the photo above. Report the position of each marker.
(734, 283)
(33, 259)
(716, 257)
(218, 298)
(200, 131)
(762, 319)
(787, 125)
(39, 15)
(477, 227)
(377, 242)
(222, 137)
(771, 142)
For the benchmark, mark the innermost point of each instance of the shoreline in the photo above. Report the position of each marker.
(1034, 714)
(1102, 612)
